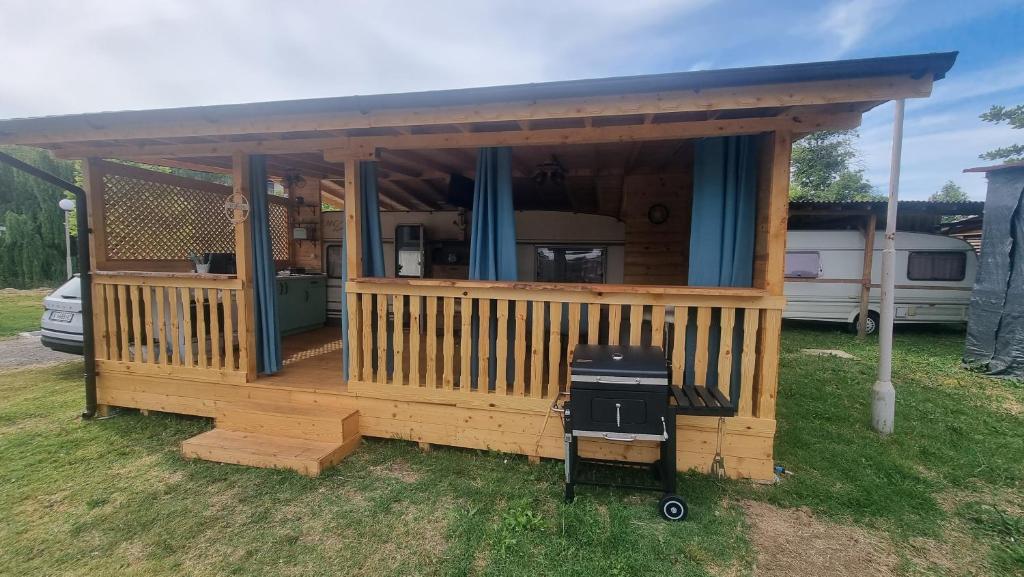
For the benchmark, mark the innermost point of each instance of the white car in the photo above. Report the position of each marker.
(62, 318)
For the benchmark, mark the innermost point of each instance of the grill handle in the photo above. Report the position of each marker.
(629, 438)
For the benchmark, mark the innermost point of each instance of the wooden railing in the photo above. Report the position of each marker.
(516, 339)
(170, 324)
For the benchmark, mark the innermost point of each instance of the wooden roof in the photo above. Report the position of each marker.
(624, 124)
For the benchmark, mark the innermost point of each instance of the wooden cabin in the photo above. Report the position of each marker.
(439, 358)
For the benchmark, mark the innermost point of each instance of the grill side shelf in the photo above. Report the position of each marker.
(701, 401)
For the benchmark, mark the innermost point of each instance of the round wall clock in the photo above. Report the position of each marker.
(657, 214)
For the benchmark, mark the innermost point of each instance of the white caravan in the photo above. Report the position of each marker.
(934, 277)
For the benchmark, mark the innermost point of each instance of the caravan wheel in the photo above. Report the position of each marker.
(870, 327)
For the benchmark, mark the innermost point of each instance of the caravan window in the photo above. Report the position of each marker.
(803, 265)
(948, 266)
(570, 264)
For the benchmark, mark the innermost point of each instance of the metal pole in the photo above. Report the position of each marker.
(883, 404)
(67, 241)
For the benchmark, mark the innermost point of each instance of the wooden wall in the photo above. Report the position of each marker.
(657, 254)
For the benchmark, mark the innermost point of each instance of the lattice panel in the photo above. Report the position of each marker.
(148, 220)
(280, 237)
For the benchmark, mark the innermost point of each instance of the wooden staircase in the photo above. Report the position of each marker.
(304, 438)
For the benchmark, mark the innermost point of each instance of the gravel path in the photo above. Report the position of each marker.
(25, 350)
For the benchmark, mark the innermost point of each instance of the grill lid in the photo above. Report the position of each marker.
(619, 361)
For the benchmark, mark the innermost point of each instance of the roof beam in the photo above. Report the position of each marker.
(200, 122)
(366, 147)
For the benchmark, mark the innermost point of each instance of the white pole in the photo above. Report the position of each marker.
(883, 405)
(67, 240)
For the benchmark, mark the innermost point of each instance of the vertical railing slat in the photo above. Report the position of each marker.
(230, 298)
(466, 344)
(593, 323)
(382, 338)
(748, 362)
(415, 306)
(700, 361)
(161, 320)
(554, 348)
(217, 309)
(573, 338)
(614, 323)
(175, 328)
(366, 334)
(138, 354)
(501, 350)
(147, 304)
(201, 328)
(537, 348)
(114, 352)
(680, 317)
(483, 312)
(448, 368)
(658, 326)
(186, 316)
(398, 339)
(725, 352)
(431, 364)
(519, 374)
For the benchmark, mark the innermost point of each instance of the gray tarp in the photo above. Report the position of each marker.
(995, 324)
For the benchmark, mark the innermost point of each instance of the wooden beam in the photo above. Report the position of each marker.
(865, 281)
(244, 271)
(334, 192)
(353, 216)
(365, 147)
(208, 122)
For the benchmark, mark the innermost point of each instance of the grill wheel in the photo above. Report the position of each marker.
(673, 508)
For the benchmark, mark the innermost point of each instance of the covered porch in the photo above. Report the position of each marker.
(442, 358)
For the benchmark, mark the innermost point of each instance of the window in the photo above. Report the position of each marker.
(571, 264)
(948, 266)
(334, 256)
(803, 265)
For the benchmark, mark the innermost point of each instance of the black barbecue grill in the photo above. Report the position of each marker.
(623, 393)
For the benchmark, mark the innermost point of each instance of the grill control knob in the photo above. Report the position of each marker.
(616, 356)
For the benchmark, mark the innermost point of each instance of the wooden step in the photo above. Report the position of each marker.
(289, 420)
(306, 456)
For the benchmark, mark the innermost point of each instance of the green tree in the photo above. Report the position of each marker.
(32, 244)
(1013, 116)
(824, 169)
(950, 192)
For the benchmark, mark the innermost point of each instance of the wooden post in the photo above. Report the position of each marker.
(865, 279)
(244, 267)
(92, 180)
(773, 216)
(353, 220)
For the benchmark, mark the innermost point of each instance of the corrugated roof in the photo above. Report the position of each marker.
(996, 167)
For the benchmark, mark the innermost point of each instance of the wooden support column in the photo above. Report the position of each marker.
(354, 267)
(245, 272)
(865, 279)
(92, 180)
(769, 268)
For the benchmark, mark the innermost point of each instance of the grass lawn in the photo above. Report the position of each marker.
(941, 496)
(20, 311)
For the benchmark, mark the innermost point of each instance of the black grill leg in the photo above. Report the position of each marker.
(668, 456)
(571, 458)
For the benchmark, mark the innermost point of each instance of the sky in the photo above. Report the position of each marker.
(73, 56)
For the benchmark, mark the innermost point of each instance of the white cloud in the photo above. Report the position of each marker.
(850, 21)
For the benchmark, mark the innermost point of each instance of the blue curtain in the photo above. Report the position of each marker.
(722, 232)
(268, 337)
(372, 246)
(492, 245)
(492, 241)
(724, 212)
